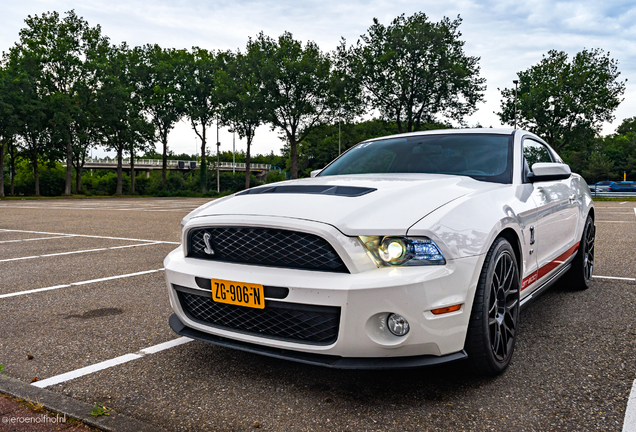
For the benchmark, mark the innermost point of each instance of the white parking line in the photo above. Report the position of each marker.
(635, 210)
(33, 239)
(615, 278)
(629, 425)
(76, 252)
(19, 293)
(624, 202)
(91, 236)
(95, 208)
(57, 379)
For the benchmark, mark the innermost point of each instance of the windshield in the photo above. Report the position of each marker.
(480, 156)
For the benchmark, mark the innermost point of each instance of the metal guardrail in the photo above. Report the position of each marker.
(613, 194)
(140, 163)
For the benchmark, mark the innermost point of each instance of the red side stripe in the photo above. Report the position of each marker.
(535, 276)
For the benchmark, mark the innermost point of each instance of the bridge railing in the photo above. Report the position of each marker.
(140, 163)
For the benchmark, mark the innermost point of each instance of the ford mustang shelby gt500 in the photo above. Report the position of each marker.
(405, 251)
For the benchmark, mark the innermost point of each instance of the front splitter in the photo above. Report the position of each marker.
(336, 362)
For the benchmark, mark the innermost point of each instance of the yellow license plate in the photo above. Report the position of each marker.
(238, 293)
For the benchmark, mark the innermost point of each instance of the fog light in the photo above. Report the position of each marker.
(398, 325)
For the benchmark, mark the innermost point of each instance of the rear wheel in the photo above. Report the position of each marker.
(580, 274)
(492, 330)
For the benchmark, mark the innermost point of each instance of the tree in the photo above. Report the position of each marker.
(162, 70)
(414, 71)
(298, 86)
(7, 119)
(32, 109)
(60, 48)
(600, 167)
(627, 126)
(123, 126)
(200, 99)
(565, 101)
(241, 90)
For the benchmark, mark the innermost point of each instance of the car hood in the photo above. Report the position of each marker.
(355, 204)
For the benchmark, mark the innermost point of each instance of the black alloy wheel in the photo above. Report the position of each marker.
(579, 277)
(494, 320)
(502, 307)
(588, 251)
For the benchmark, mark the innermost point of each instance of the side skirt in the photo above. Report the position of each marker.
(547, 284)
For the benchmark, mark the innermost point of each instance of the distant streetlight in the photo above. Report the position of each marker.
(516, 83)
(233, 154)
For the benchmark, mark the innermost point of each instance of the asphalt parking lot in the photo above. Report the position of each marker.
(81, 284)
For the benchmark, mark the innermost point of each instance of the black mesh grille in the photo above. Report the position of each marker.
(287, 321)
(266, 246)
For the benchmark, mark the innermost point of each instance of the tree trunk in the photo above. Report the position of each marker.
(78, 179)
(294, 157)
(247, 162)
(119, 169)
(204, 165)
(132, 173)
(12, 156)
(36, 175)
(164, 168)
(2, 169)
(69, 165)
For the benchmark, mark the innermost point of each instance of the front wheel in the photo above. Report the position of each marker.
(494, 319)
(580, 274)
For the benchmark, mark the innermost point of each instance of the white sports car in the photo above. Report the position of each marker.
(406, 251)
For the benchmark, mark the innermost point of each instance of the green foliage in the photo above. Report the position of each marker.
(159, 73)
(123, 126)
(297, 81)
(414, 71)
(599, 167)
(275, 176)
(565, 101)
(199, 94)
(65, 89)
(627, 126)
(100, 410)
(52, 179)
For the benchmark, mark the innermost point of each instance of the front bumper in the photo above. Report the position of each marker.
(364, 299)
(330, 361)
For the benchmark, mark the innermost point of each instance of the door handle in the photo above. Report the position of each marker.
(572, 198)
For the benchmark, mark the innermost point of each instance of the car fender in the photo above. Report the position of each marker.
(469, 225)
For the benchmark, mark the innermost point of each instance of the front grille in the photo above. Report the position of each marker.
(292, 322)
(265, 246)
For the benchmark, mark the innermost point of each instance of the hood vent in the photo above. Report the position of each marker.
(346, 191)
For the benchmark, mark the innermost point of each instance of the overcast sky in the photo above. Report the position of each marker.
(509, 36)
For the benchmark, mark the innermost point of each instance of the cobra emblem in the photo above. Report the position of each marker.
(208, 247)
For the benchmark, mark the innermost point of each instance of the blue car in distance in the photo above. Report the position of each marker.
(602, 186)
(623, 187)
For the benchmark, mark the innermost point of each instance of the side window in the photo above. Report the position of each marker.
(534, 152)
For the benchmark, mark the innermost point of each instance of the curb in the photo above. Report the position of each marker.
(73, 408)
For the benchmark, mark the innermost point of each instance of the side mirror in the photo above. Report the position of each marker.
(314, 173)
(546, 171)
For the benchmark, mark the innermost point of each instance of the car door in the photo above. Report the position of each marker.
(555, 233)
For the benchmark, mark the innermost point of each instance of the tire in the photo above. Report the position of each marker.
(492, 330)
(580, 274)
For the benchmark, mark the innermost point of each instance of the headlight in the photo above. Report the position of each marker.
(403, 251)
